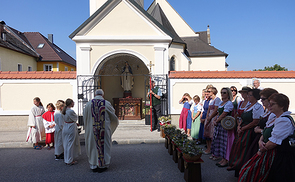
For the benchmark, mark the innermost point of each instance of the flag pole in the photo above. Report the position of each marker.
(151, 105)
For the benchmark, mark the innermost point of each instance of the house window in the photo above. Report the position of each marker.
(47, 67)
(172, 64)
(66, 68)
(72, 69)
(19, 67)
(40, 46)
(29, 68)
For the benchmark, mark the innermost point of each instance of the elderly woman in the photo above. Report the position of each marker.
(250, 119)
(209, 125)
(71, 141)
(220, 140)
(264, 95)
(275, 159)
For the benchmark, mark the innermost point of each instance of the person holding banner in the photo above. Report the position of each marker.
(156, 105)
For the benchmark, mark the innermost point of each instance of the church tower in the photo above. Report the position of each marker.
(95, 5)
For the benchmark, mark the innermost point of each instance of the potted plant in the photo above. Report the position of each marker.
(164, 121)
(191, 151)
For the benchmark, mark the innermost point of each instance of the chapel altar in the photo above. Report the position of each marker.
(127, 108)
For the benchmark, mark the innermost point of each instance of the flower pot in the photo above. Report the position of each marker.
(162, 134)
(192, 158)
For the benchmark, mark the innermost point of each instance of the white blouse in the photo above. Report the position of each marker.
(283, 128)
(216, 101)
(258, 110)
(228, 106)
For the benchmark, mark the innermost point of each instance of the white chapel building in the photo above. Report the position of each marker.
(156, 41)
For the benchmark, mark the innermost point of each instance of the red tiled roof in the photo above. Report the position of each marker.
(232, 74)
(37, 74)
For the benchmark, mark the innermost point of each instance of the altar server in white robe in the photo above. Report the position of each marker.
(70, 136)
(36, 131)
(59, 121)
(100, 122)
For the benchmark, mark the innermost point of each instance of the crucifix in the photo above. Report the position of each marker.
(150, 65)
(151, 115)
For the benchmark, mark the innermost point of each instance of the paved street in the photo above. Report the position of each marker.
(131, 160)
(138, 162)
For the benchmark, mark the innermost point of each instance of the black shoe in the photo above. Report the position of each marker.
(100, 170)
(95, 170)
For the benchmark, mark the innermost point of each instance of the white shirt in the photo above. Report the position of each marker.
(283, 128)
(228, 106)
(258, 110)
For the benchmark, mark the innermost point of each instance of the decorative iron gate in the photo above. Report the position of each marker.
(161, 81)
(87, 84)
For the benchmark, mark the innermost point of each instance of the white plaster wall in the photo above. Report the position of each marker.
(176, 50)
(100, 52)
(208, 63)
(16, 96)
(177, 22)
(129, 23)
(178, 87)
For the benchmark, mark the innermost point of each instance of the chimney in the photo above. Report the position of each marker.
(94, 5)
(50, 38)
(208, 36)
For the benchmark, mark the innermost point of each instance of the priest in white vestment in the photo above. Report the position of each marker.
(100, 122)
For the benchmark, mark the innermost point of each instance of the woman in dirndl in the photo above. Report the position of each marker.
(240, 109)
(264, 95)
(204, 114)
(211, 116)
(275, 159)
(185, 120)
(220, 139)
(250, 119)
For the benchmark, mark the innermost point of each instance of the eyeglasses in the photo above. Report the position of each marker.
(272, 103)
(223, 92)
(234, 90)
(263, 99)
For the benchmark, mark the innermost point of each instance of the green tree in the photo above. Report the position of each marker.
(275, 67)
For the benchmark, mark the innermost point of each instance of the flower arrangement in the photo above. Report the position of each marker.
(165, 120)
(191, 149)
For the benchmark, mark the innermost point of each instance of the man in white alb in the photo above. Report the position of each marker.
(100, 122)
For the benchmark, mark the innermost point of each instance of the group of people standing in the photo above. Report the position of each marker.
(60, 126)
(258, 148)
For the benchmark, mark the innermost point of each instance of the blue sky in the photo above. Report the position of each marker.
(254, 33)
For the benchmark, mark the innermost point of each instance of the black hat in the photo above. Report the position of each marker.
(245, 89)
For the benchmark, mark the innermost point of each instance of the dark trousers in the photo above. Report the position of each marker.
(156, 114)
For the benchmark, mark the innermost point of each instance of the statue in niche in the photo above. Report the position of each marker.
(127, 79)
